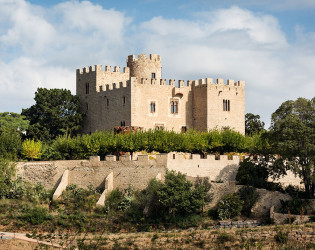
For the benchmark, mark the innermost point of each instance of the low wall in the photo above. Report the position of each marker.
(126, 172)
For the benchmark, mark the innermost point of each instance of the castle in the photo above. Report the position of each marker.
(139, 97)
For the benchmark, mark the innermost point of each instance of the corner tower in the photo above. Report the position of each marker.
(144, 67)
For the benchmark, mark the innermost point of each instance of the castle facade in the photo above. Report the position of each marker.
(139, 97)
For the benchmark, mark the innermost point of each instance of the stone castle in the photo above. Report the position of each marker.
(139, 97)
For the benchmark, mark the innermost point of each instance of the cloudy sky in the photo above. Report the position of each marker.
(268, 43)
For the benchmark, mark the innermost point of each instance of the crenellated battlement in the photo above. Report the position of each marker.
(143, 57)
(116, 85)
(209, 82)
(99, 68)
(165, 82)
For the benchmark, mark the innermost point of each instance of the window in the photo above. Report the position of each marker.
(153, 75)
(124, 99)
(184, 129)
(87, 88)
(159, 126)
(101, 88)
(122, 123)
(226, 105)
(152, 107)
(174, 107)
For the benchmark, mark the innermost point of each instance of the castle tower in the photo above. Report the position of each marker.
(143, 67)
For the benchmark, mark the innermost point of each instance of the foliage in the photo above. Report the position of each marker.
(175, 199)
(249, 196)
(32, 149)
(36, 215)
(253, 125)
(229, 206)
(55, 113)
(107, 142)
(10, 144)
(117, 200)
(13, 122)
(295, 206)
(76, 198)
(292, 134)
(7, 172)
(281, 237)
(252, 174)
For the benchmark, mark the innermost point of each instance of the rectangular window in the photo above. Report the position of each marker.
(152, 107)
(226, 105)
(124, 99)
(122, 123)
(174, 107)
(87, 88)
(159, 126)
(153, 75)
(184, 129)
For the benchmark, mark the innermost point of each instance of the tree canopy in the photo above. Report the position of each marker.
(13, 121)
(253, 125)
(54, 113)
(292, 134)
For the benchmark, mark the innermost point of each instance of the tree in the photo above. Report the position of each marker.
(13, 121)
(292, 134)
(253, 125)
(55, 113)
(7, 173)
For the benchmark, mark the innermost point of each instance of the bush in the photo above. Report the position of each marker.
(10, 144)
(281, 237)
(295, 206)
(213, 214)
(229, 206)
(36, 215)
(252, 174)
(249, 196)
(7, 172)
(32, 149)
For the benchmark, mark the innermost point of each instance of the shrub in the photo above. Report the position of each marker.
(281, 237)
(36, 215)
(7, 172)
(32, 149)
(295, 206)
(10, 144)
(213, 214)
(249, 196)
(229, 206)
(252, 174)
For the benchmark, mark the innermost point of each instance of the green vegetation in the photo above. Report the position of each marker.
(31, 149)
(253, 125)
(249, 196)
(230, 206)
(13, 122)
(54, 113)
(292, 135)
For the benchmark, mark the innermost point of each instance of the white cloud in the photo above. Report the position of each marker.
(239, 44)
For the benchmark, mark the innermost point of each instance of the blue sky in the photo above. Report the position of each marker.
(269, 44)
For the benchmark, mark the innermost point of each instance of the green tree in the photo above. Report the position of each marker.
(13, 121)
(229, 206)
(54, 113)
(10, 144)
(253, 125)
(292, 134)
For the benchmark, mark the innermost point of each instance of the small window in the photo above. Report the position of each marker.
(152, 107)
(159, 126)
(87, 88)
(101, 88)
(174, 107)
(124, 99)
(226, 105)
(153, 75)
(122, 123)
(184, 129)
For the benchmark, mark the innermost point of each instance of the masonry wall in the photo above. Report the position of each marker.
(161, 93)
(235, 94)
(107, 102)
